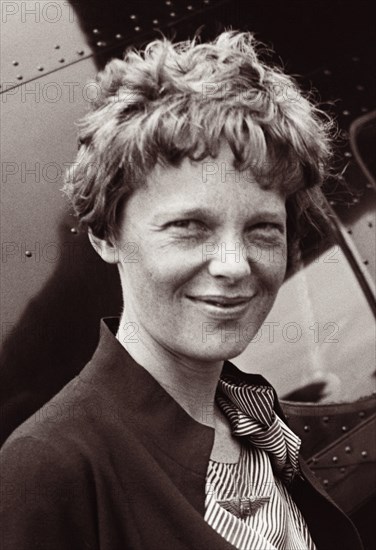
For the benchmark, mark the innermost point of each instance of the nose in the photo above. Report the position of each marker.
(230, 261)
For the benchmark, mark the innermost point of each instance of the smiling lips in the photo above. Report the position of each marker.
(222, 301)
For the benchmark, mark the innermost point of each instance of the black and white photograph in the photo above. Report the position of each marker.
(188, 266)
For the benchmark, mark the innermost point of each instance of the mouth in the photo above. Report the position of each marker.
(222, 301)
(225, 306)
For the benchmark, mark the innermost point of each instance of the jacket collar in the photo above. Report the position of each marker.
(144, 407)
(142, 404)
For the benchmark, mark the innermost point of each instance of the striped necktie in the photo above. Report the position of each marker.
(250, 411)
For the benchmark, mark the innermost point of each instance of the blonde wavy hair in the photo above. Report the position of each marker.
(176, 100)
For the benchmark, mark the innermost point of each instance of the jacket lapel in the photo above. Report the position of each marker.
(177, 441)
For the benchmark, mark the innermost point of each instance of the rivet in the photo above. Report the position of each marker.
(360, 88)
(343, 469)
(133, 16)
(349, 231)
(364, 454)
(325, 419)
(189, 7)
(62, 60)
(172, 14)
(326, 482)
(370, 224)
(346, 112)
(335, 459)
(15, 63)
(168, 3)
(57, 47)
(362, 414)
(101, 44)
(96, 31)
(206, 1)
(344, 428)
(347, 449)
(355, 58)
(347, 154)
(327, 72)
(364, 109)
(287, 416)
(19, 77)
(118, 36)
(80, 52)
(28, 253)
(315, 460)
(137, 29)
(40, 68)
(366, 262)
(332, 203)
(74, 230)
(155, 21)
(306, 428)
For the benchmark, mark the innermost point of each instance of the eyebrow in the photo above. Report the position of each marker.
(183, 213)
(160, 217)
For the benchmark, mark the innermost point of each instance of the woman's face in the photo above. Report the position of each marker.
(202, 254)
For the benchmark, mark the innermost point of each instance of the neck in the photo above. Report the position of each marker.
(191, 382)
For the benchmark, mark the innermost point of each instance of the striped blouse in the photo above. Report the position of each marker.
(248, 502)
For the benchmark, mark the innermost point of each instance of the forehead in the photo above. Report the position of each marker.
(211, 182)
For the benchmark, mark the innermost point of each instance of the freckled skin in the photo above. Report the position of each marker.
(180, 254)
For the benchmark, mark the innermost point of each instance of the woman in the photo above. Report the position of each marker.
(194, 173)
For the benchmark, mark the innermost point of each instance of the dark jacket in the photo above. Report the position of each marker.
(113, 462)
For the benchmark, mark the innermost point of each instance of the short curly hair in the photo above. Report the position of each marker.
(176, 100)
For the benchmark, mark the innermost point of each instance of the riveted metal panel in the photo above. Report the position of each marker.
(38, 37)
(38, 120)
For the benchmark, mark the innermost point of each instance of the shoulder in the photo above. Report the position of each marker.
(66, 428)
(47, 493)
(49, 471)
(45, 449)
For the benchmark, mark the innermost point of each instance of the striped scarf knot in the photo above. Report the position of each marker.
(250, 411)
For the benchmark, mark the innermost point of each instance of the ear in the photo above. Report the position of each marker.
(106, 250)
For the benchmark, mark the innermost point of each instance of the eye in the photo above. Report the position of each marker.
(267, 233)
(268, 227)
(191, 225)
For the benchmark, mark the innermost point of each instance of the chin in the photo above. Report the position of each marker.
(218, 351)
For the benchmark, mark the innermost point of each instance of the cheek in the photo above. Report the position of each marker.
(159, 269)
(270, 268)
